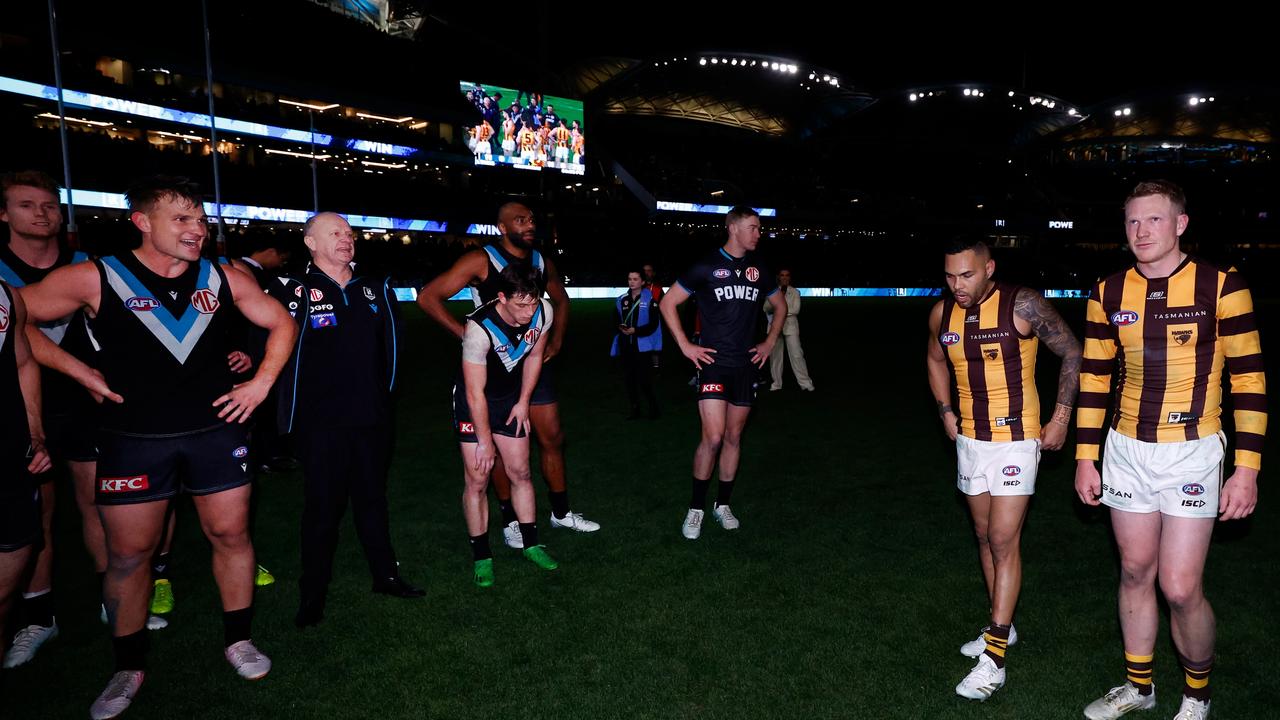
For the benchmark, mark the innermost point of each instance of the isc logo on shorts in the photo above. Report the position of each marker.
(950, 338)
(1193, 489)
(123, 484)
(1011, 470)
(467, 428)
(712, 387)
(1124, 317)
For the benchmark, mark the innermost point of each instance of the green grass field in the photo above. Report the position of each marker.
(846, 593)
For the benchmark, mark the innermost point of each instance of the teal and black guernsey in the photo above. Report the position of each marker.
(162, 345)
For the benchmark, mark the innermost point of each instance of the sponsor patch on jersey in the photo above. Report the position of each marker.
(712, 388)
(1011, 470)
(240, 452)
(1124, 317)
(753, 274)
(1181, 418)
(323, 307)
(368, 294)
(721, 274)
(142, 302)
(950, 338)
(205, 300)
(531, 335)
(123, 484)
(1193, 489)
(316, 295)
(1156, 295)
(324, 320)
(293, 306)
(1007, 421)
(467, 428)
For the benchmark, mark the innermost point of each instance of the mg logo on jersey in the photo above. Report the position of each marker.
(123, 484)
(1124, 317)
(205, 300)
(720, 274)
(712, 387)
(316, 295)
(531, 335)
(467, 428)
(950, 338)
(752, 274)
(1182, 336)
(142, 303)
(1011, 470)
(1193, 489)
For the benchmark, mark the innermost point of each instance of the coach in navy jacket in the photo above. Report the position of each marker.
(335, 398)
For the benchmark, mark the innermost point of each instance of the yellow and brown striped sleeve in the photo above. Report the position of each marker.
(1095, 378)
(1243, 350)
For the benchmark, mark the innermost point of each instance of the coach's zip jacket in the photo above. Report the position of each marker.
(298, 296)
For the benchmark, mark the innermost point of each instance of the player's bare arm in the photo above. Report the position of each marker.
(940, 375)
(469, 268)
(1031, 307)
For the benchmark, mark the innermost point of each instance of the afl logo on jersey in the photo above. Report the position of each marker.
(146, 304)
(316, 295)
(720, 274)
(240, 452)
(206, 301)
(950, 338)
(1124, 317)
(1011, 470)
(752, 274)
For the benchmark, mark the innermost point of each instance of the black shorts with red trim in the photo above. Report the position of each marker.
(138, 469)
(737, 385)
(464, 428)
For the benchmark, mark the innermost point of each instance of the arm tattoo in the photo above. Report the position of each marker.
(1049, 326)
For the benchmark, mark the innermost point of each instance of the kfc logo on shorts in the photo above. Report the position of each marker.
(142, 303)
(316, 295)
(240, 452)
(1124, 317)
(950, 338)
(712, 388)
(1011, 470)
(1193, 489)
(123, 484)
(206, 301)
(467, 428)
(720, 274)
(752, 274)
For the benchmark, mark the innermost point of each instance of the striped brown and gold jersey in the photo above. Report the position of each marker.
(1167, 340)
(994, 367)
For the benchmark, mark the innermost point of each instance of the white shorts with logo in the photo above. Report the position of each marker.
(999, 468)
(1175, 478)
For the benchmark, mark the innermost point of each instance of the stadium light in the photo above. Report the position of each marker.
(715, 61)
(370, 116)
(913, 97)
(702, 61)
(310, 106)
(1193, 102)
(309, 156)
(1126, 112)
(95, 123)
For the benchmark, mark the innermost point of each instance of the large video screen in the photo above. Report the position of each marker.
(524, 129)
